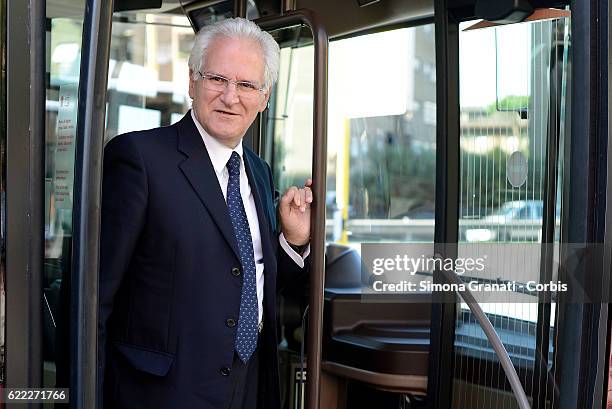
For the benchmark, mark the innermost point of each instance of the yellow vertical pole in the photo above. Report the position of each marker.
(343, 178)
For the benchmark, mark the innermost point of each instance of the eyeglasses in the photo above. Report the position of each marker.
(219, 83)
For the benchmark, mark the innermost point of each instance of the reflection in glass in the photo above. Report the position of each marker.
(148, 75)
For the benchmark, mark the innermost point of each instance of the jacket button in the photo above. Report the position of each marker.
(236, 272)
(230, 322)
(225, 371)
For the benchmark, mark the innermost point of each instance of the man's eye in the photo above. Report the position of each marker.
(217, 80)
(247, 86)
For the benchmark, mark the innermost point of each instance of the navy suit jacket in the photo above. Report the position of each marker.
(170, 275)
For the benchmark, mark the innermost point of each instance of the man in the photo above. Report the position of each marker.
(190, 251)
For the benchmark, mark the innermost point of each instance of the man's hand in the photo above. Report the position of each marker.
(294, 211)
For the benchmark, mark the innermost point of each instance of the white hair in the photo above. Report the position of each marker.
(236, 28)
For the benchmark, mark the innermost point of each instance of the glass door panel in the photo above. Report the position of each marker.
(63, 64)
(287, 146)
(289, 122)
(380, 180)
(513, 82)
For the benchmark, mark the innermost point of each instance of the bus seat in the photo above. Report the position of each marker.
(342, 266)
(382, 339)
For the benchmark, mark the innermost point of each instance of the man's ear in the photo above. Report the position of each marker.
(264, 102)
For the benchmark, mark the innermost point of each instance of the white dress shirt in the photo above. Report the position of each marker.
(219, 156)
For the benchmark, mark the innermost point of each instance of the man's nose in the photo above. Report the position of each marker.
(230, 95)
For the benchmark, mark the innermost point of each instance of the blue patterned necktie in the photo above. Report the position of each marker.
(246, 339)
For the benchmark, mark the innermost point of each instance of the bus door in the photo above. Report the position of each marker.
(46, 47)
(509, 123)
(380, 179)
(54, 85)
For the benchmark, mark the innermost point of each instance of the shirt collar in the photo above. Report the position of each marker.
(219, 154)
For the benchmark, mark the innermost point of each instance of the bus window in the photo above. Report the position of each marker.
(64, 38)
(381, 137)
(381, 134)
(148, 74)
(508, 78)
(291, 109)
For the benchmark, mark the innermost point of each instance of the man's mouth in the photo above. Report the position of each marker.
(225, 112)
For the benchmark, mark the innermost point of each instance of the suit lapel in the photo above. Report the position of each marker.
(201, 175)
(257, 183)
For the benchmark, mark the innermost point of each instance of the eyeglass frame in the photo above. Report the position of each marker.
(228, 81)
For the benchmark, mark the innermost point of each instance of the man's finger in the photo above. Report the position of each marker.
(297, 198)
(289, 195)
(302, 200)
(308, 195)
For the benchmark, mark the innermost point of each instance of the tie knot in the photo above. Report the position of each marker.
(233, 164)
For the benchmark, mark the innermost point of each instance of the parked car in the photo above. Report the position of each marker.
(517, 220)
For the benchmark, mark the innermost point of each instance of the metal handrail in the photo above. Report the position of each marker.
(494, 339)
(319, 166)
